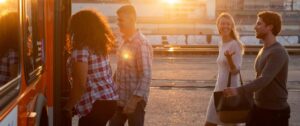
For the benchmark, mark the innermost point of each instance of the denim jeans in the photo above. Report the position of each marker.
(134, 119)
(267, 117)
(101, 113)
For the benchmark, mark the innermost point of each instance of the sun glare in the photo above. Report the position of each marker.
(171, 1)
(2, 1)
(171, 49)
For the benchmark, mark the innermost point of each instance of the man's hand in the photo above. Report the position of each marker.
(131, 104)
(230, 91)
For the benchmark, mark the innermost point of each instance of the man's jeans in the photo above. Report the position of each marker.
(134, 119)
(266, 117)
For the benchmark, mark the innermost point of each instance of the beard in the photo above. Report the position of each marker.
(261, 35)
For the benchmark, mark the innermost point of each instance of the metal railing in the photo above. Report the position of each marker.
(211, 49)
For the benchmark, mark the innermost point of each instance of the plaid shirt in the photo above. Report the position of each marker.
(133, 74)
(100, 85)
(8, 59)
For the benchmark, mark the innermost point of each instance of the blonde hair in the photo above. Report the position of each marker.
(234, 34)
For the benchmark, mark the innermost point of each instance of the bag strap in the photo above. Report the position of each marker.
(241, 80)
(229, 79)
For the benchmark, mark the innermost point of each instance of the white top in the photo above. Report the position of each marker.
(223, 66)
(223, 72)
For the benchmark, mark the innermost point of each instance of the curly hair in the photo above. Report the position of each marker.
(9, 32)
(88, 28)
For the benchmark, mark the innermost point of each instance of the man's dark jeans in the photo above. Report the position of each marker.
(134, 119)
(266, 117)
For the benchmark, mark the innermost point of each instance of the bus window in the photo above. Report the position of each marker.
(9, 51)
(34, 39)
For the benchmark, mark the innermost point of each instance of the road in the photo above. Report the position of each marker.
(182, 85)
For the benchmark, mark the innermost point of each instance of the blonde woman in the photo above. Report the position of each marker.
(229, 60)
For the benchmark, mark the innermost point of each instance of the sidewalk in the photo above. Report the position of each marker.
(173, 106)
(182, 85)
(189, 81)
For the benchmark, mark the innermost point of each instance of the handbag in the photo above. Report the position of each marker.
(233, 109)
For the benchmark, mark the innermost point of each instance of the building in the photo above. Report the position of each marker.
(100, 1)
(157, 16)
(195, 17)
(245, 11)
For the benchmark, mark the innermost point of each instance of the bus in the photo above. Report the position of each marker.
(26, 64)
(33, 62)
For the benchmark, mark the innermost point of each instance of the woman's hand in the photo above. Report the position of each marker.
(229, 53)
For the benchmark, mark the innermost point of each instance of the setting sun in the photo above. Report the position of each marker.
(171, 1)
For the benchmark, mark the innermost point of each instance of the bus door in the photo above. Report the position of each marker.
(34, 101)
(61, 85)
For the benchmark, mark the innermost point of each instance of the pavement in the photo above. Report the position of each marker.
(182, 85)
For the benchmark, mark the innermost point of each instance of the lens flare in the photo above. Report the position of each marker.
(126, 56)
